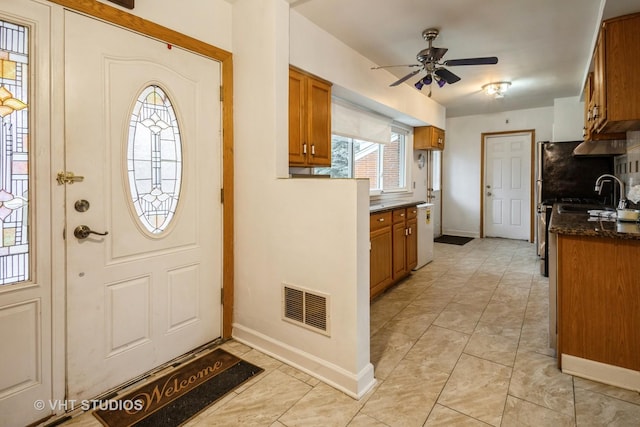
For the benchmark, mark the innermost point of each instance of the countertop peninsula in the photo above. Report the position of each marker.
(386, 206)
(581, 224)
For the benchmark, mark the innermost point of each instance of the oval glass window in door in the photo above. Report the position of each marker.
(154, 159)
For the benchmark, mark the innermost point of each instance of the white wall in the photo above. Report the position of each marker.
(310, 233)
(208, 21)
(568, 119)
(462, 159)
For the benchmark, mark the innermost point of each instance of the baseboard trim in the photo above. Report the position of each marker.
(354, 385)
(601, 372)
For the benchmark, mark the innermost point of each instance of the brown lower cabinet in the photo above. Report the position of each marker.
(381, 266)
(599, 300)
(394, 247)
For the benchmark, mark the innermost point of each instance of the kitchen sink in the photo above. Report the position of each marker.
(578, 208)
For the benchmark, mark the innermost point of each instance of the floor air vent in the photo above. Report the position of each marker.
(305, 308)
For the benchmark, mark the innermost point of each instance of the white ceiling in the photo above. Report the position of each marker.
(543, 46)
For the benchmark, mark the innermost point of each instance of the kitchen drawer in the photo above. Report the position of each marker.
(399, 215)
(412, 212)
(380, 220)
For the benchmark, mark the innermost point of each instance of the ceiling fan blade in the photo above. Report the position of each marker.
(446, 75)
(391, 66)
(489, 60)
(405, 78)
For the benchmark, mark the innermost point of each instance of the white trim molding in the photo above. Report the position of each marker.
(355, 385)
(601, 372)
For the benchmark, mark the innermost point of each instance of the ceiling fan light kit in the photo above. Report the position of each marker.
(429, 62)
(496, 89)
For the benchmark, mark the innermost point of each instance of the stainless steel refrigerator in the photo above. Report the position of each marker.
(563, 177)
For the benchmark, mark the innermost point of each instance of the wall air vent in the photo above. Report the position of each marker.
(305, 308)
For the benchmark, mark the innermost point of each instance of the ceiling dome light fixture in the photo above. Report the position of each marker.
(496, 89)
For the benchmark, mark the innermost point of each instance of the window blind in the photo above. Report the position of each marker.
(351, 122)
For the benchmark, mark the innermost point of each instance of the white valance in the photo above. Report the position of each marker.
(351, 122)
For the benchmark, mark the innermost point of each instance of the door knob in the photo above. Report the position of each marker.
(83, 231)
(68, 178)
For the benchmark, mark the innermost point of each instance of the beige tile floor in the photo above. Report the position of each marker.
(462, 342)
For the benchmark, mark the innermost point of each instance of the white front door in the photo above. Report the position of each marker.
(507, 186)
(143, 129)
(26, 186)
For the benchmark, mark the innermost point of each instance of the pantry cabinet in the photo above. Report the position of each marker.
(612, 94)
(309, 120)
(394, 247)
(428, 138)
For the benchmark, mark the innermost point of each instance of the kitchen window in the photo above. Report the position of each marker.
(385, 165)
(365, 144)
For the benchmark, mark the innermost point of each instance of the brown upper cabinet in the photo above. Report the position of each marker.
(589, 124)
(309, 120)
(428, 138)
(612, 94)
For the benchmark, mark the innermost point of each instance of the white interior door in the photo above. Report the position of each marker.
(507, 186)
(25, 214)
(143, 129)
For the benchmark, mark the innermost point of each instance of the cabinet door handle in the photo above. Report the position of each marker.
(313, 149)
(381, 220)
(304, 148)
(401, 214)
(406, 231)
(410, 231)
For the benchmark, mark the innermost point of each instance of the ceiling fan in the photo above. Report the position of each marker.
(429, 62)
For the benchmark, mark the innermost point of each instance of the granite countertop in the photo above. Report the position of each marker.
(581, 224)
(386, 206)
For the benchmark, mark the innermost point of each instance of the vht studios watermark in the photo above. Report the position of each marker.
(88, 405)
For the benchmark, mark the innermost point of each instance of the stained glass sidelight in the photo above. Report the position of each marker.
(14, 154)
(154, 159)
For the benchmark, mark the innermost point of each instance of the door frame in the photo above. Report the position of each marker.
(483, 137)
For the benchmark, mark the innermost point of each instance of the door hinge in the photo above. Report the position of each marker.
(221, 94)
(222, 195)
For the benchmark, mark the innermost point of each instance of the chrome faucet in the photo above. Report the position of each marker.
(622, 203)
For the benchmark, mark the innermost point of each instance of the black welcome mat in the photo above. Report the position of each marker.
(453, 240)
(177, 396)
